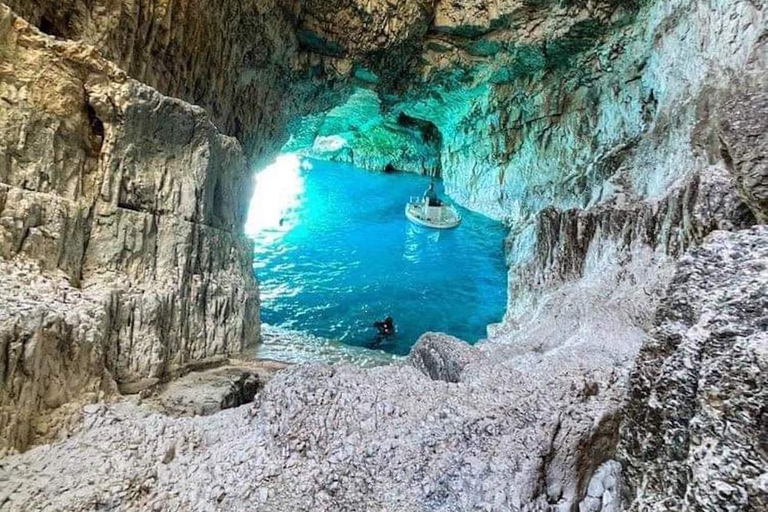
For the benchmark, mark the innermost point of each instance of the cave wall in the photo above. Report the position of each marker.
(612, 105)
(120, 223)
(234, 60)
(641, 98)
(361, 133)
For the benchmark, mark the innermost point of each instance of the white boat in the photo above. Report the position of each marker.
(444, 216)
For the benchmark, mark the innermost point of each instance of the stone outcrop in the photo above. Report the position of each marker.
(134, 202)
(359, 132)
(343, 438)
(208, 392)
(358, 29)
(52, 354)
(694, 433)
(440, 357)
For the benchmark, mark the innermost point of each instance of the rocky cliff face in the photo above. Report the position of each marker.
(623, 142)
(694, 436)
(132, 203)
(234, 60)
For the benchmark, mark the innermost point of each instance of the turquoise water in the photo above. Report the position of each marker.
(334, 253)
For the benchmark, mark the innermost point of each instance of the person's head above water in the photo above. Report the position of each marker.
(387, 327)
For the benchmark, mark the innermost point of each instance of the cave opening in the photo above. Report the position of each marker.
(334, 253)
(427, 131)
(48, 26)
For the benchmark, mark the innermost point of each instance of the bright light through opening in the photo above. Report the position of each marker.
(277, 193)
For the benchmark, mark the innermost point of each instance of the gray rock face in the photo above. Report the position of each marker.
(605, 490)
(52, 354)
(745, 135)
(133, 203)
(695, 427)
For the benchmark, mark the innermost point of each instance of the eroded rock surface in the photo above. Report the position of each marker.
(234, 60)
(52, 353)
(695, 428)
(207, 392)
(133, 202)
(343, 438)
(745, 137)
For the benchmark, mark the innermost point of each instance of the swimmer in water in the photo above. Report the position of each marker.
(386, 328)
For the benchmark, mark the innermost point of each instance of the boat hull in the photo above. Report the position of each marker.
(433, 217)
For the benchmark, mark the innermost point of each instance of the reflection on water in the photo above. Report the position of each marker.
(418, 242)
(334, 253)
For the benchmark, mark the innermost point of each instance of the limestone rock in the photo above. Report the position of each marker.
(745, 134)
(207, 392)
(135, 198)
(233, 59)
(52, 354)
(605, 490)
(695, 421)
(354, 28)
(440, 357)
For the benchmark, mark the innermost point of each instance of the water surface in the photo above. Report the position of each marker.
(334, 253)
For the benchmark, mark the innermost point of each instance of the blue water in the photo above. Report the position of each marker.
(334, 253)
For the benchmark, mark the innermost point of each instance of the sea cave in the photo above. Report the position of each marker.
(415, 255)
